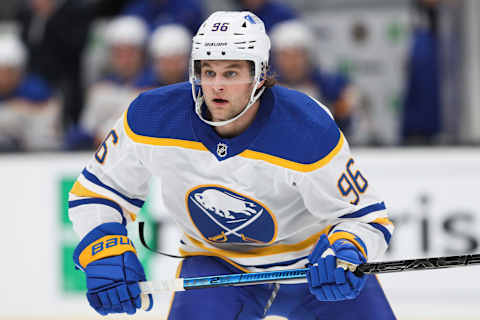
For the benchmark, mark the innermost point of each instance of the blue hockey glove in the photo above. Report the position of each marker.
(112, 269)
(327, 280)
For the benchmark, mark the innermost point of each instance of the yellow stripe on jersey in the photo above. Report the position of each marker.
(133, 216)
(295, 165)
(161, 141)
(108, 246)
(80, 191)
(266, 251)
(383, 221)
(249, 154)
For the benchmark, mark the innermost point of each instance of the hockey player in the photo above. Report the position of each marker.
(293, 47)
(257, 176)
(127, 74)
(170, 50)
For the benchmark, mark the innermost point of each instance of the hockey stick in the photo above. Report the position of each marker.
(299, 275)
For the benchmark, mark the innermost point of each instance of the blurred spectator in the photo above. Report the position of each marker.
(270, 11)
(292, 50)
(126, 77)
(422, 106)
(157, 12)
(55, 32)
(170, 51)
(28, 112)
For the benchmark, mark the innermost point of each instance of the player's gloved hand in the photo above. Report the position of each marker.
(328, 281)
(112, 269)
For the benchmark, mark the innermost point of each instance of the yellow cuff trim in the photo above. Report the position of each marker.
(80, 191)
(107, 246)
(347, 236)
(383, 221)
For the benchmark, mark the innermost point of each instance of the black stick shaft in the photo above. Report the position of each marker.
(419, 264)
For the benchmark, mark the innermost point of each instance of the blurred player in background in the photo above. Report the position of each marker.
(170, 50)
(55, 33)
(270, 11)
(155, 13)
(126, 76)
(257, 176)
(422, 112)
(293, 45)
(28, 111)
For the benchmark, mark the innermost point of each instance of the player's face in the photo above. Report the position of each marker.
(10, 77)
(226, 86)
(292, 63)
(171, 69)
(126, 60)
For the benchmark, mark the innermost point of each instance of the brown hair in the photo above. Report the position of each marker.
(270, 80)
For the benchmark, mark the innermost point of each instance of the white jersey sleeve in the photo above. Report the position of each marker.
(340, 193)
(112, 187)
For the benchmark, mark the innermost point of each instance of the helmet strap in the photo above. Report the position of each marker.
(199, 103)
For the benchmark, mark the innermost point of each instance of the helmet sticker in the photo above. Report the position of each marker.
(250, 19)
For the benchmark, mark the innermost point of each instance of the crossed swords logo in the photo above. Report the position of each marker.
(223, 236)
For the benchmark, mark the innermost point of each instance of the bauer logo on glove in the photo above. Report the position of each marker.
(112, 269)
(105, 247)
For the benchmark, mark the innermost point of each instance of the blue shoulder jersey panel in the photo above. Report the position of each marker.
(290, 129)
(299, 130)
(163, 113)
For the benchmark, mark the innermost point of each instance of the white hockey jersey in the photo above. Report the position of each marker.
(259, 200)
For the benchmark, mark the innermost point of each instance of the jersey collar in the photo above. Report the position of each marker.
(224, 148)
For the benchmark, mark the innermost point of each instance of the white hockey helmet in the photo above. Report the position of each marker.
(292, 34)
(230, 35)
(126, 30)
(170, 39)
(12, 51)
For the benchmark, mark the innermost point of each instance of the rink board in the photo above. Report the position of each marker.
(431, 194)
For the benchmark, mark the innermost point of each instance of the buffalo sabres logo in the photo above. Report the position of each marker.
(222, 149)
(222, 215)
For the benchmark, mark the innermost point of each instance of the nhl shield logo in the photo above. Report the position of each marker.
(222, 149)
(224, 216)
